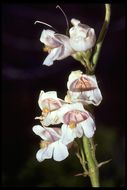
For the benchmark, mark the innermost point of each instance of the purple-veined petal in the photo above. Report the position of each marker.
(52, 97)
(75, 116)
(83, 88)
(46, 133)
(69, 107)
(73, 76)
(49, 39)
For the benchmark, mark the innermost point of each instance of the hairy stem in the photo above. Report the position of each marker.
(92, 163)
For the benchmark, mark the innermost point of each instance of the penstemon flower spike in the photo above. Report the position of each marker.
(75, 112)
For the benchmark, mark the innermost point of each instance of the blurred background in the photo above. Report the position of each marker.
(23, 76)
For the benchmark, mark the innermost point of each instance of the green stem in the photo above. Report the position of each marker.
(92, 164)
(81, 156)
(101, 37)
(93, 148)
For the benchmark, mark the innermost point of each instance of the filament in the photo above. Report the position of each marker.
(44, 23)
(64, 16)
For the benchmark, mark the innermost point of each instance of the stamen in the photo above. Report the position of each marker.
(46, 110)
(47, 49)
(72, 124)
(44, 23)
(64, 16)
(44, 144)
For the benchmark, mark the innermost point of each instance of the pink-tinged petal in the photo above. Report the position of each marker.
(51, 104)
(88, 97)
(66, 48)
(83, 88)
(68, 107)
(52, 133)
(45, 153)
(52, 56)
(45, 95)
(82, 84)
(62, 111)
(68, 134)
(59, 46)
(60, 151)
(91, 78)
(88, 127)
(62, 37)
(73, 76)
(82, 37)
(76, 116)
(49, 100)
(40, 131)
(58, 131)
(49, 39)
(46, 133)
(93, 97)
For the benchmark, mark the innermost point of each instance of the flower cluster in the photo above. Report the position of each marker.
(71, 113)
(83, 90)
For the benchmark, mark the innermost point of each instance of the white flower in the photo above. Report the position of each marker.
(58, 46)
(52, 144)
(82, 37)
(49, 103)
(83, 88)
(76, 121)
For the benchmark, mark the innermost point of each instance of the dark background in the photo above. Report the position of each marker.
(23, 76)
